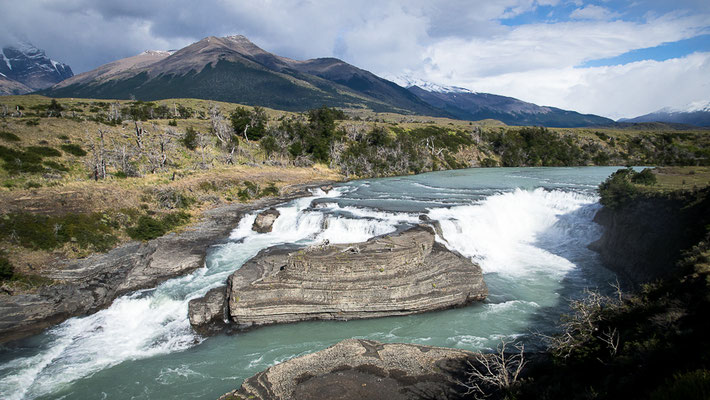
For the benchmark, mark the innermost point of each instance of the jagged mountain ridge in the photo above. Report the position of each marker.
(30, 67)
(234, 69)
(696, 113)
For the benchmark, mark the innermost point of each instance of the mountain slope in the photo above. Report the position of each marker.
(11, 87)
(697, 114)
(234, 69)
(465, 104)
(31, 67)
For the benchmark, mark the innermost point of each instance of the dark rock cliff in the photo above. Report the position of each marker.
(644, 237)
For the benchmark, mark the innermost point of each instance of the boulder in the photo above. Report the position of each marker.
(264, 221)
(362, 369)
(207, 313)
(398, 274)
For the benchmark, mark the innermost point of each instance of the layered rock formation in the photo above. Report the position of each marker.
(362, 369)
(399, 274)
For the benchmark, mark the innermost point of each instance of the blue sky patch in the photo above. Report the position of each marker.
(662, 52)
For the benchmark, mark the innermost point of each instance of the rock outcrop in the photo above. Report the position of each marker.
(643, 238)
(264, 221)
(398, 274)
(88, 285)
(362, 369)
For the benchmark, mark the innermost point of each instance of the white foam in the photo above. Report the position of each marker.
(501, 231)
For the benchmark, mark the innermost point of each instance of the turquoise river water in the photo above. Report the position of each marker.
(528, 228)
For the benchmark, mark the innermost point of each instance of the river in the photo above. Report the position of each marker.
(528, 228)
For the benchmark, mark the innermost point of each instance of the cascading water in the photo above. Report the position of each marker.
(530, 242)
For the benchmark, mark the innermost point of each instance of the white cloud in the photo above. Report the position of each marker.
(593, 12)
(455, 42)
(613, 91)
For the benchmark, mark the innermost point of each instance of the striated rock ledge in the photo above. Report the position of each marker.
(362, 369)
(90, 284)
(398, 274)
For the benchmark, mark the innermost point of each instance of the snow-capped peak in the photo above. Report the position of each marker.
(696, 106)
(159, 52)
(407, 81)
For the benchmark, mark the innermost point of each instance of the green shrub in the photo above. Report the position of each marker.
(693, 385)
(88, 231)
(10, 137)
(74, 149)
(149, 227)
(20, 161)
(189, 139)
(617, 189)
(56, 166)
(172, 122)
(44, 151)
(32, 122)
(270, 190)
(645, 177)
(7, 271)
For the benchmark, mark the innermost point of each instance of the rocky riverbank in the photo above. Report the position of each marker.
(397, 274)
(362, 369)
(90, 284)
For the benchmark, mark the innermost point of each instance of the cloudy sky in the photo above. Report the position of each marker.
(607, 57)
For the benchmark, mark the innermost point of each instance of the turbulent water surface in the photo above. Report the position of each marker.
(528, 228)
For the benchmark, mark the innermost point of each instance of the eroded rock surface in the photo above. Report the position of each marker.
(399, 274)
(264, 221)
(362, 369)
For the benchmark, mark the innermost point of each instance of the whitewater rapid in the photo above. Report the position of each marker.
(516, 234)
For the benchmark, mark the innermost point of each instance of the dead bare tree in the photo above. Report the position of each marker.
(497, 371)
(139, 132)
(98, 163)
(115, 111)
(220, 128)
(582, 324)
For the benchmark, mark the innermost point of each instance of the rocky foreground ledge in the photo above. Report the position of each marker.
(90, 284)
(391, 275)
(362, 369)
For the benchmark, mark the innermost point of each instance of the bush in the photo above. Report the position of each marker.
(693, 385)
(617, 189)
(7, 271)
(10, 137)
(149, 228)
(88, 231)
(189, 139)
(645, 177)
(44, 151)
(270, 190)
(56, 166)
(20, 161)
(74, 149)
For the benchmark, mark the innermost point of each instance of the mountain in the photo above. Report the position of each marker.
(31, 68)
(11, 87)
(234, 69)
(465, 104)
(697, 113)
